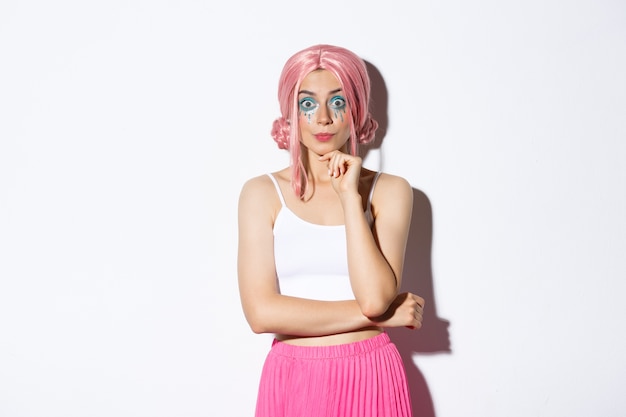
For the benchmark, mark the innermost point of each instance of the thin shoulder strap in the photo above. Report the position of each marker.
(280, 193)
(368, 210)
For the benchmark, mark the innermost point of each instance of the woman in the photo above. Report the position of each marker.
(321, 249)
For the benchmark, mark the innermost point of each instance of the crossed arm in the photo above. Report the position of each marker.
(375, 259)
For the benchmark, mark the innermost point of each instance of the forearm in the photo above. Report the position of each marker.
(373, 281)
(303, 317)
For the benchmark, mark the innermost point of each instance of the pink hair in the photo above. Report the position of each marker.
(351, 72)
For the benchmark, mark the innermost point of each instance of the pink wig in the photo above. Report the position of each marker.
(352, 74)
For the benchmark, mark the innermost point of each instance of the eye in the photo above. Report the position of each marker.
(337, 102)
(307, 104)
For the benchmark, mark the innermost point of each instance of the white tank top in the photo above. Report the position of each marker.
(311, 259)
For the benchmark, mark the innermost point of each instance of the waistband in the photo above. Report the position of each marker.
(332, 351)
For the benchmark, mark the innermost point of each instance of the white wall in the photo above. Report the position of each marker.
(128, 127)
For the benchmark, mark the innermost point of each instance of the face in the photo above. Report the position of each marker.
(323, 114)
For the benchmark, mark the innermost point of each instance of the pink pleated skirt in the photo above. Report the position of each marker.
(361, 379)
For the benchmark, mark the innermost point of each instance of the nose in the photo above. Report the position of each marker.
(324, 116)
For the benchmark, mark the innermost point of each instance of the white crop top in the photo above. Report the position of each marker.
(311, 259)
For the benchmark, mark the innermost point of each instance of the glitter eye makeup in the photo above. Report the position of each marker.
(308, 105)
(338, 106)
(337, 103)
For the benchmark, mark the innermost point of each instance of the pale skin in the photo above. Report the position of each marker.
(337, 193)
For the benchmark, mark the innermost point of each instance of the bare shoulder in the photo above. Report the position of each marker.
(257, 189)
(256, 185)
(259, 194)
(392, 186)
(392, 198)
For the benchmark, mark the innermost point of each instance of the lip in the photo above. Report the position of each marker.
(324, 137)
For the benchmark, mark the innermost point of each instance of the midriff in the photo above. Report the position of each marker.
(333, 339)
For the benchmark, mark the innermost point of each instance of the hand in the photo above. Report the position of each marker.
(406, 310)
(344, 171)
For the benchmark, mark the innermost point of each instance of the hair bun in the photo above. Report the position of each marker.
(366, 135)
(280, 132)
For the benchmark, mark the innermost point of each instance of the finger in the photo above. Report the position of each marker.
(417, 324)
(332, 164)
(342, 166)
(419, 300)
(327, 156)
(337, 164)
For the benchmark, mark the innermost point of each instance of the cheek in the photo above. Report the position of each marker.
(306, 116)
(344, 118)
(340, 115)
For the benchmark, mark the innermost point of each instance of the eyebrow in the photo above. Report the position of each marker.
(312, 93)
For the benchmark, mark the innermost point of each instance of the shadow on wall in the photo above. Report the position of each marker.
(433, 337)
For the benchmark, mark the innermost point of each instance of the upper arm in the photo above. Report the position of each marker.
(392, 207)
(255, 258)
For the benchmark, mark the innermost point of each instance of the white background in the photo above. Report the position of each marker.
(128, 127)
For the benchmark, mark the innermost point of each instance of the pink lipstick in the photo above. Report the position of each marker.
(324, 137)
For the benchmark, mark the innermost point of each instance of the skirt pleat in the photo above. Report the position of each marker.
(361, 379)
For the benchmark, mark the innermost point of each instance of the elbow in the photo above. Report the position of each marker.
(373, 308)
(258, 326)
(262, 315)
(377, 304)
(257, 322)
